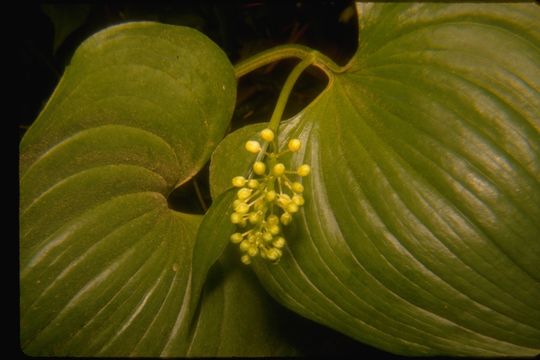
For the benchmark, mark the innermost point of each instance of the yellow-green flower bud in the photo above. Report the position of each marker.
(270, 195)
(294, 145)
(242, 208)
(254, 218)
(274, 229)
(236, 218)
(278, 169)
(285, 218)
(245, 259)
(284, 200)
(245, 245)
(297, 187)
(236, 238)
(279, 242)
(238, 181)
(303, 170)
(259, 168)
(272, 219)
(244, 193)
(298, 200)
(253, 251)
(267, 135)
(292, 208)
(253, 184)
(267, 236)
(273, 254)
(253, 146)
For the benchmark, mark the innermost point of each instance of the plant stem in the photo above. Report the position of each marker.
(275, 119)
(287, 51)
(286, 91)
(308, 57)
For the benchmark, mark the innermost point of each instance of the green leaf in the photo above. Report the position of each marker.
(232, 146)
(238, 318)
(420, 231)
(211, 242)
(105, 265)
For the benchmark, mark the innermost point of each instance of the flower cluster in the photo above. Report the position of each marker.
(266, 200)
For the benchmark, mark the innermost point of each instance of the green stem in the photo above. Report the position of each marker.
(280, 106)
(286, 91)
(308, 57)
(287, 51)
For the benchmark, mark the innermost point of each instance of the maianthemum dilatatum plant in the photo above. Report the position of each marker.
(401, 207)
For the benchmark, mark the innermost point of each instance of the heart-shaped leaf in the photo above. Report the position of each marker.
(105, 265)
(420, 231)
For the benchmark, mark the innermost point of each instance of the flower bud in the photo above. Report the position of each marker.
(259, 168)
(273, 254)
(236, 218)
(274, 229)
(238, 181)
(253, 184)
(242, 208)
(253, 146)
(245, 245)
(285, 218)
(297, 187)
(303, 170)
(236, 238)
(292, 208)
(298, 199)
(284, 200)
(253, 251)
(294, 145)
(254, 218)
(272, 219)
(278, 169)
(270, 195)
(267, 135)
(279, 242)
(245, 259)
(244, 193)
(267, 236)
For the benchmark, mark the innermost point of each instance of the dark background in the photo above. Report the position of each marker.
(51, 31)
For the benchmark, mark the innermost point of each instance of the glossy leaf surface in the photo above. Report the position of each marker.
(420, 231)
(105, 265)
